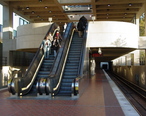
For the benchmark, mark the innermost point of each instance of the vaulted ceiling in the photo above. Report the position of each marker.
(71, 10)
(63, 11)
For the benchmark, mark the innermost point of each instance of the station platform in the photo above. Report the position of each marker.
(101, 98)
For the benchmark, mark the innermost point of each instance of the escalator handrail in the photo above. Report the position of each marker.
(60, 52)
(75, 82)
(56, 63)
(56, 72)
(82, 56)
(40, 61)
(28, 75)
(65, 59)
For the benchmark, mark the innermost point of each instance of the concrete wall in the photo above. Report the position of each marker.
(31, 35)
(112, 34)
(142, 42)
(135, 74)
(1, 55)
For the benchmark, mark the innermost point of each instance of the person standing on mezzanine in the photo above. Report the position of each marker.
(46, 45)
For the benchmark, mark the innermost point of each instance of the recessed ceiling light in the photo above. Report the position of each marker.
(27, 8)
(130, 4)
(46, 7)
(38, 16)
(32, 12)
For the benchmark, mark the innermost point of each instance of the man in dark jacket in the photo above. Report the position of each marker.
(81, 26)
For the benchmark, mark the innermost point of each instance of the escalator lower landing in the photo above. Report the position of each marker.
(43, 72)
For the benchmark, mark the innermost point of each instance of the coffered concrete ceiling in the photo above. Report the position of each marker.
(63, 11)
(71, 10)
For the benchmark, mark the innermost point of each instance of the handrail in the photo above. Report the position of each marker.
(75, 82)
(80, 71)
(55, 88)
(29, 77)
(40, 62)
(53, 79)
(56, 63)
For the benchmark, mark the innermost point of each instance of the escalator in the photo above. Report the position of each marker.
(72, 66)
(43, 72)
(26, 85)
(38, 71)
(70, 69)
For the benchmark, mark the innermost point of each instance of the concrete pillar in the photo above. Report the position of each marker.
(0, 78)
(141, 11)
(7, 31)
(0, 64)
(7, 22)
(145, 19)
(137, 23)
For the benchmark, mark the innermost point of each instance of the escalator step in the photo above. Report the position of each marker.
(71, 64)
(70, 73)
(70, 70)
(69, 76)
(65, 89)
(43, 72)
(66, 85)
(42, 76)
(67, 80)
(71, 67)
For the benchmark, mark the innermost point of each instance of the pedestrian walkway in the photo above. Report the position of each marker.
(98, 99)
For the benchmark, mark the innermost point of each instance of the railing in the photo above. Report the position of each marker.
(75, 83)
(22, 85)
(53, 82)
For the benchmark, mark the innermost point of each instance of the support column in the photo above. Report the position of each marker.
(137, 23)
(145, 19)
(0, 64)
(7, 32)
(7, 22)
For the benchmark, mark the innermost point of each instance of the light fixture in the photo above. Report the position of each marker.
(50, 19)
(38, 16)
(130, 4)
(71, 16)
(108, 5)
(99, 51)
(93, 18)
(40, 0)
(32, 12)
(66, 8)
(27, 8)
(46, 7)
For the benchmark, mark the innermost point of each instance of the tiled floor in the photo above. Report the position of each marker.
(97, 100)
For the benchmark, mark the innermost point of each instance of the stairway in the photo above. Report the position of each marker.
(43, 72)
(72, 66)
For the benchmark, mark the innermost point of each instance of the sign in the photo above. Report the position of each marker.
(97, 55)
